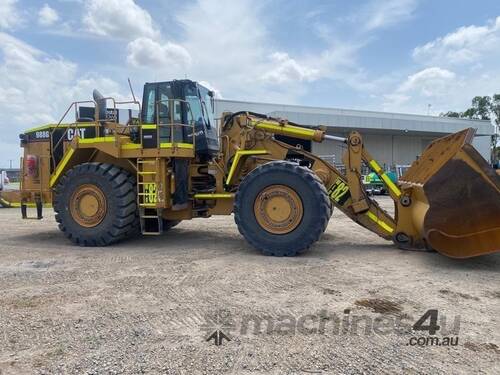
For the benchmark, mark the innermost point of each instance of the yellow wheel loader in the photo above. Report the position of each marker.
(172, 162)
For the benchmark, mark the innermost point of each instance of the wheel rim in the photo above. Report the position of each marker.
(88, 205)
(278, 209)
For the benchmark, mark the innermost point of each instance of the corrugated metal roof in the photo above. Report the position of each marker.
(348, 118)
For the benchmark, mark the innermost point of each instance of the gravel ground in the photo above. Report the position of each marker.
(149, 305)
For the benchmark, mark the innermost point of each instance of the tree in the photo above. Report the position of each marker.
(495, 108)
(451, 114)
(469, 113)
(484, 108)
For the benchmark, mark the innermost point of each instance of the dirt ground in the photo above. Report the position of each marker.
(149, 305)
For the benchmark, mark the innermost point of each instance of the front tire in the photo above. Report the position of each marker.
(95, 204)
(282, 208)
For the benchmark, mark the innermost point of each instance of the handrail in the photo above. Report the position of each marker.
(173, 124)
(96, 121)
(71, 126)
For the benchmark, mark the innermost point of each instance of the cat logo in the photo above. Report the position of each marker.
(72, 132)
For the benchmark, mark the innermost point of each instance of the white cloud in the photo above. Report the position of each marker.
(443, 89)
(229, 51)
(221, 45)
(429, 82)
(452, 70)
(468, 44)
(384, 13)
(145, 52)
(47, 16)
(27, 73)
(434, 85)
(339, 61)
(237, 57)
(226, 45)
(122, 19)
(9, 16)
(36, 88)
(286, 69)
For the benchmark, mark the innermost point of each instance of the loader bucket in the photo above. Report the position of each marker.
(463, 197)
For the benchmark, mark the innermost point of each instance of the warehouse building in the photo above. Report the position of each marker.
(392, 138)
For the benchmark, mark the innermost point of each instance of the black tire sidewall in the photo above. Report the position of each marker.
(281, 244)
(106, 187)
(117, 188)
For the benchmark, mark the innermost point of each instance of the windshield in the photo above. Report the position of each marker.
(208, 102)
(194, 104)
(157, 95)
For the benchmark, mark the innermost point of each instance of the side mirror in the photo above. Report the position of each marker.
(212, 100)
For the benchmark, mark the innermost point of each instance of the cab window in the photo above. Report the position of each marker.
(194, 104)
(149, 108)
(165, 93)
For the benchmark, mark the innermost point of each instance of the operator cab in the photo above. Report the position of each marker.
(174, 106)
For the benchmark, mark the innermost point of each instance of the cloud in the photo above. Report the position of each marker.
(36, 88)
(428, 86)
(242, 60)
(9, 16)
(429, 82)
(339, 62)
(225, 49)
(230, 52)
(27, 73)
(385, 13)
(467, 44)
(122, 19)
(47, 16)
(452, 69)
(432, 85)
(145, 52)
(287, 69)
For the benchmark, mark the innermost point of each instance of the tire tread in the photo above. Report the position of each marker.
(323, 213)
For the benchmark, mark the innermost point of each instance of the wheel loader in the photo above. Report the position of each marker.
(172, 161)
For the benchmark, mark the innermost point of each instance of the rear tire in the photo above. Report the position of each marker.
(96, 204)
(282, 208)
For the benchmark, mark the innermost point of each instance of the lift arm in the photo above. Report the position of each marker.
(448, 200)
(345, 190)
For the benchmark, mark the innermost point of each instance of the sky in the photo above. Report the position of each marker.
(410, 56)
